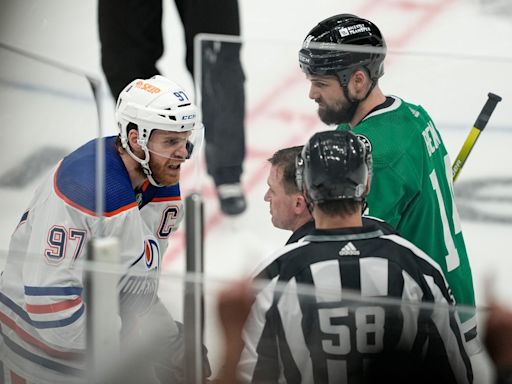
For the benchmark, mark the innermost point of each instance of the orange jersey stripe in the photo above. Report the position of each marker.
(170, 198)
(25, 336)
(55, 307)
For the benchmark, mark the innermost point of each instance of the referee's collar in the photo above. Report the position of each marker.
(344, 234)
(304, 230)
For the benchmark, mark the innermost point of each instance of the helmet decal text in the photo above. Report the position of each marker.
(147, 87)
(353, 29)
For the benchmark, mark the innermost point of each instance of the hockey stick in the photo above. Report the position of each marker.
(480, 123)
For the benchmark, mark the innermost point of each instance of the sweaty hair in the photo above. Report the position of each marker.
(285, 158)
(344, 207)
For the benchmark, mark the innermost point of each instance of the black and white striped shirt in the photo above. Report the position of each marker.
(330, 335)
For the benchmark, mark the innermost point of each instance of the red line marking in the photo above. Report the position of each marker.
(267, 101)
(429, 12)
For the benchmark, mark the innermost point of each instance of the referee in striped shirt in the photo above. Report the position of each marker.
(400, 326)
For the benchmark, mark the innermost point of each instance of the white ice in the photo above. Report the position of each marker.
(443, 54)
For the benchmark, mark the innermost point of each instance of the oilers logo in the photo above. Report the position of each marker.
(138, 288)
(151, 254)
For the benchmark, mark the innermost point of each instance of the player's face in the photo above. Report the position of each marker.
(281, 203)
(168, 151)
(333, 106)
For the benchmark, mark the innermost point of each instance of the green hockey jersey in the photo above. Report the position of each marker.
(412, 188)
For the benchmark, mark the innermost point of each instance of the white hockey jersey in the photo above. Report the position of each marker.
(42, 312)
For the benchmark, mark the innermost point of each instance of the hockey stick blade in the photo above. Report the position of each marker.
(478, 127)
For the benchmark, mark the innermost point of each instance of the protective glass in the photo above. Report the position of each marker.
(176, 145)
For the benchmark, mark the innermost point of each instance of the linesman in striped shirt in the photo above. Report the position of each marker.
(400, 326)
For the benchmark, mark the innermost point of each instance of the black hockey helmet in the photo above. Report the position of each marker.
(324, 52)
(334, 165)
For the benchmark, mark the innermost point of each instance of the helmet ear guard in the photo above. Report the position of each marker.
(299, 172)
(299, 179)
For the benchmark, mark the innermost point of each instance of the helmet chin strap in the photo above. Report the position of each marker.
(151, 179)
(354, 103)
(345, 92)
(364, 206)
(143, 162)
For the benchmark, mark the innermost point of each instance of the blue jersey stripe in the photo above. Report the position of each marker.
(24, 217)
(50, 364)
(52, 291)
(40, 324)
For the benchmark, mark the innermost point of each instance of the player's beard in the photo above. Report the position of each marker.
(339, 113)
(163, 174)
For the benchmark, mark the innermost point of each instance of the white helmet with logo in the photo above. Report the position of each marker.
(156, 103)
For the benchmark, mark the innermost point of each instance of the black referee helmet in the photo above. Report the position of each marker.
(334, 165)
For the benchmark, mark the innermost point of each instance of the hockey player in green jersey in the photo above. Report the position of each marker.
(411, 187)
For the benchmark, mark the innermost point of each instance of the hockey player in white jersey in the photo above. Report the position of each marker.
(42, 310)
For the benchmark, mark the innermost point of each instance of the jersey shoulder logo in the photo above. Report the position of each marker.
(349, 250)
(414, 112)
(366, 142)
